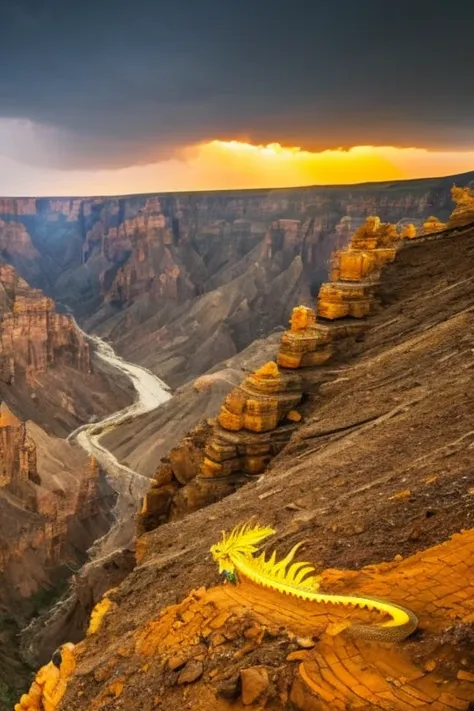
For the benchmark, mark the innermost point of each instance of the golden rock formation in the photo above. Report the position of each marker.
(408, 231)
(261, 401)
(432, 224)
(99, 612)
(50, 683)
(304, 344)
(356, 268)
(216, 457)
(340, 299)
(463, 213)
(247, 432)
(374, 234)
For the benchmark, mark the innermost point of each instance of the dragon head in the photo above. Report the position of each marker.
(243, 541)
(222, 559)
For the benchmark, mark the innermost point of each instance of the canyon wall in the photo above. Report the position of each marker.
(34, 337)
(144, 270)
(54, 502)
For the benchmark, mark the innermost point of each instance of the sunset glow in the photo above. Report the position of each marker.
(221, 165)
(241, 164)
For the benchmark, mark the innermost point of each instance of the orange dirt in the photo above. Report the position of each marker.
(215, 634)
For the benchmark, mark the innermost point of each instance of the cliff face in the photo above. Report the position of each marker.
(17, 453)
(34, 337)
(54, 503)
(144, 269)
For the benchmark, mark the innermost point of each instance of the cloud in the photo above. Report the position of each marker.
(112, 84)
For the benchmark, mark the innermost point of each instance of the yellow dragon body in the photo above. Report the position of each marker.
(235, 555)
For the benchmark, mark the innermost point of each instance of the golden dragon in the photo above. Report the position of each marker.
(235, 556)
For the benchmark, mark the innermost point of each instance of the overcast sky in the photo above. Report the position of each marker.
(100, 85)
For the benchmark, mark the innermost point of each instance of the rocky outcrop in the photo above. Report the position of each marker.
(432, 224)
(50, 683)
(463, 213)
(306, 343)
(356, 269)
(255, 422)
(258, 417)
(18, 465)
(34, 337)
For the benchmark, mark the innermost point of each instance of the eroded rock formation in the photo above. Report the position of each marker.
(305, 344)
(34, 337)
(181, 281)
(356, 269)
(254, 424)
(18, 465)
(50, 683)
(433, 224)
(463, 213)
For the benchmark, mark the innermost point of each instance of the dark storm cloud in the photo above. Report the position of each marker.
(115, 82)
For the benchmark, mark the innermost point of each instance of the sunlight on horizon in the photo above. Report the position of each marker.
(225, 165)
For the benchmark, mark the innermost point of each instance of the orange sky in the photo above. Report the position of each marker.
(220, 165)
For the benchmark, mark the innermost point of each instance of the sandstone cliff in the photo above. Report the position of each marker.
(54, 503)
(34, 337)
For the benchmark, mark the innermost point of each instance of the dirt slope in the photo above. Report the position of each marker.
(381, 468)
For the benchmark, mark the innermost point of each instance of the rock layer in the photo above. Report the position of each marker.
(463, 213)
(258, 417)
(18, 464)
(180, 282)
(34, 337)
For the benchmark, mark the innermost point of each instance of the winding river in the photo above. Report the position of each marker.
(151, 392)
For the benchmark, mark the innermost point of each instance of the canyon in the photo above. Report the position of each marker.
(180, 282)
(198, 290)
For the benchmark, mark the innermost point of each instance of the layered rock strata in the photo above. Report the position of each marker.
(34, 337)
(258, 417)
(356, 269)
(18, 465)
(305, 344)
(254, 424)
(463, 213)
(432, 224)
